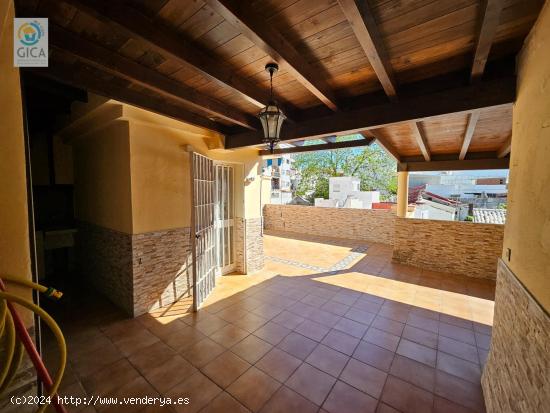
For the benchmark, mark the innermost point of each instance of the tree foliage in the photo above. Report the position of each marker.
(371, 164)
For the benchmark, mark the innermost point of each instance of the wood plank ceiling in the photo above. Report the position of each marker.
(411, 74)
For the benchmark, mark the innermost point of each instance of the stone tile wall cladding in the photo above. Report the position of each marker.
(137, 272)
(516, 377)
(254, 245)
(359, 224)
(449, 246)
(162, 268)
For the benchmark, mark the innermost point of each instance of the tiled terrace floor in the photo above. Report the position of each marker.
(375, 337)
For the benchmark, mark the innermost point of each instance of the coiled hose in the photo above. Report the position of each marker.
(14, 339)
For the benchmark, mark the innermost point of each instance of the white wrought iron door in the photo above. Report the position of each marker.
(225, 218)
(202, 223)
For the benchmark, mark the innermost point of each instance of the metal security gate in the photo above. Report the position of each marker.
(202, 222)
(224, 217)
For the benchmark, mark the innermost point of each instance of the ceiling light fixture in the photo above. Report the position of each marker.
(271, 116)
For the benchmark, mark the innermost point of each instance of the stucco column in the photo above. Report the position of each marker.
(402, 193)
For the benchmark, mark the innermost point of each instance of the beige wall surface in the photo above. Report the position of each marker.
(14, 229)
(102, 177)
(527, 232)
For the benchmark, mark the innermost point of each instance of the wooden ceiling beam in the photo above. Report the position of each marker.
(384, 144)
(487, 30)
(264, 36)
(362, 21)
(505, 149)
(469, 133)
(136, 25)
(81, 76)
(421, 141)
(320, 147)
(118, 65)
(456, 165)
(489, 93)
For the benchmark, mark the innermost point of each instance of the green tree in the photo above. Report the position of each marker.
(371, 164)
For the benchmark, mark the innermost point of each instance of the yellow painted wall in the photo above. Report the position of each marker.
(160, 166)
(102, 177)
(14, 230)
(527, 231)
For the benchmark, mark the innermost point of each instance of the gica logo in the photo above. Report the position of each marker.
(31, 46)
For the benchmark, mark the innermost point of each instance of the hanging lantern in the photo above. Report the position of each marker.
(271, 116)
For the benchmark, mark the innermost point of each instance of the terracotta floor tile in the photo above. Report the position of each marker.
(413, 372)
(166, 375)
(324, 317)
(312, 330)
(251, 348)
(459, 391)
(456, 321)
(278, 364)
(224, 403)
(285, 401)
(360, 316)
(335, 307)
(423, 323)
(483, 355)
(483, 329)
(104, 381)
(225, 369)
(366, 305)
(198, 388)
(340, 341)
(328, 360)
(201, 353)
(210, 325)
(374, 355)
(311, 383)
(388, 325)
(396, 314)
(458, 349)
(267, 311)
(297, 345)
(426, 338)
(347, 298)
(442, 405)
(384, 408)
(417, 352)
(96, 360)
(353, 328)
(151, 356)
(253, 389)
(184, 338)
(364, 377)
(458, 333)
(314, 300)
(271, 332)
(406, 397)
(483, 341)
(345, 399)
(382, 339)
(288, 320)
(250, 322)
(229, 335)
(458, 367)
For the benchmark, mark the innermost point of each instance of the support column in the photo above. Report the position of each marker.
(402, 193)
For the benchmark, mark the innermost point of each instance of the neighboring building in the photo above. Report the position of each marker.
(432, 206)
(345, 192)
(490, 216)
(283, 178)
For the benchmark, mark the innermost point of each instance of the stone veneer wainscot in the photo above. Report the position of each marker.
(517, 374)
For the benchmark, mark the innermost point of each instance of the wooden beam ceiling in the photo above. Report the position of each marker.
(489, 93)
(320, 147)
(136, 25)
(421, 141)
(505, 149)
(487, 30)
(83, 77)
(469, 133)
(118, 65)
(362, 21)
(456, 165)
(384, 144)
(264, 36)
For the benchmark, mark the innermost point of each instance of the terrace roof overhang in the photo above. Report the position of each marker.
(433, 84)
